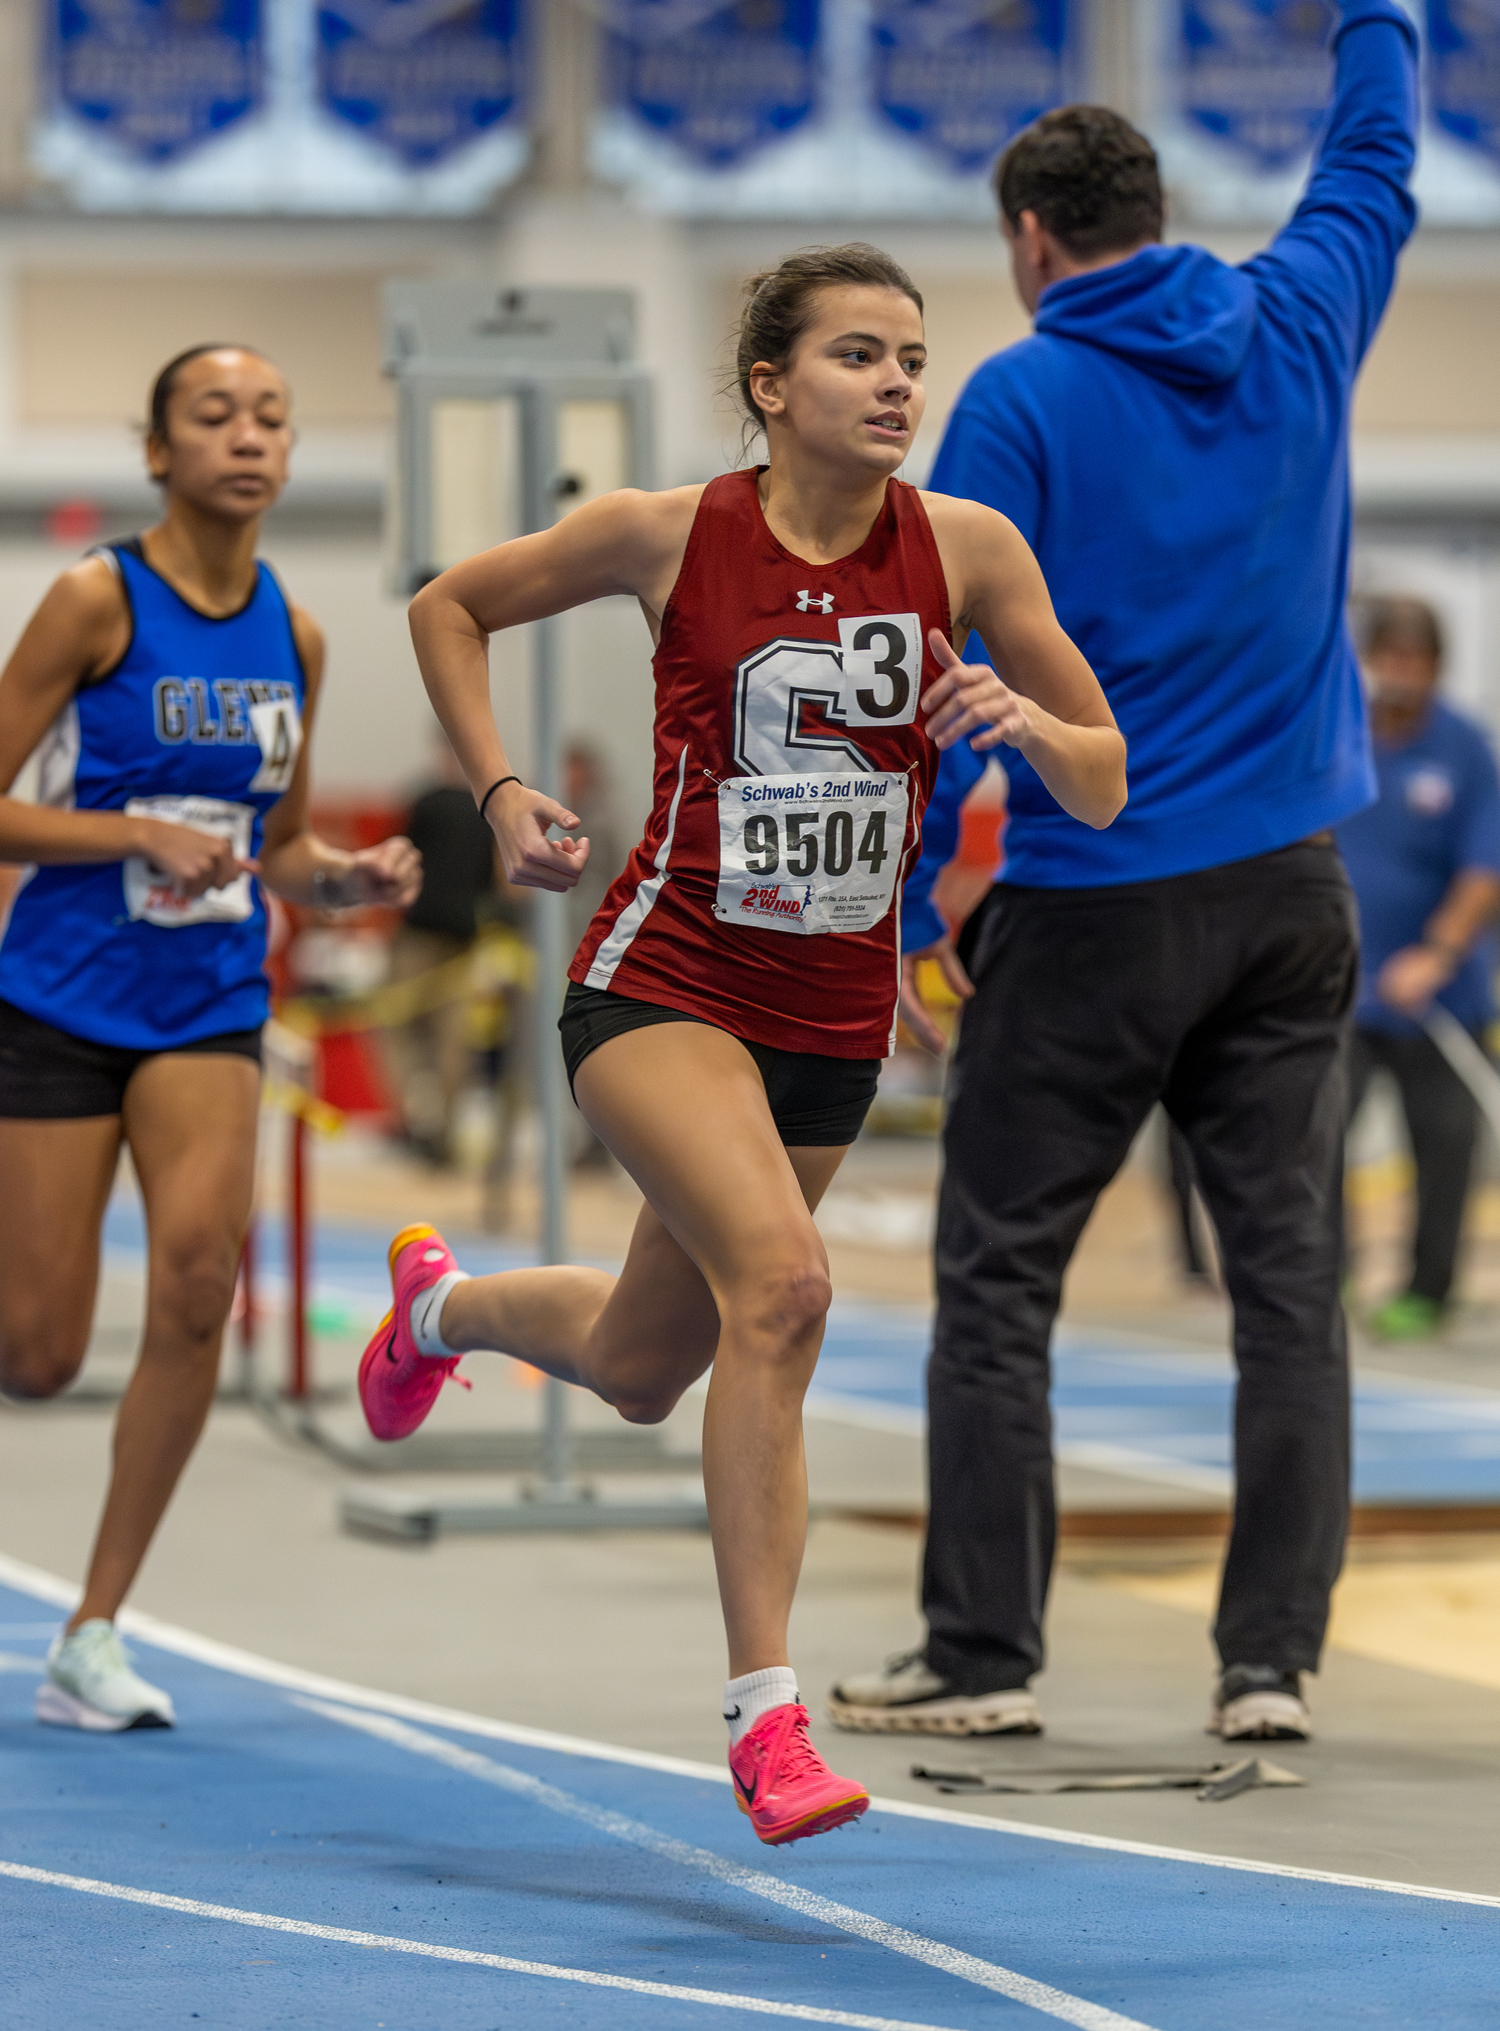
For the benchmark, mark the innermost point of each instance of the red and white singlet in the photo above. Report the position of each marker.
(792, 770)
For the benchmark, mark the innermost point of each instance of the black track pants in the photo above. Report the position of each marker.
(1443, 1122)
(1223, 994)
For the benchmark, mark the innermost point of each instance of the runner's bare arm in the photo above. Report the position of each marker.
(294, 861)
(82, 628)
(1042, 698)
(628, 542)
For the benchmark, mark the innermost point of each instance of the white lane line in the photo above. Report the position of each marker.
(44, 1586)
(341, 1935)
(230, 1658)
(806, 1903)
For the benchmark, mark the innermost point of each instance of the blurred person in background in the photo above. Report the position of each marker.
(1172, 441)
(170, 688)
(431, 1054)
(1424, 860)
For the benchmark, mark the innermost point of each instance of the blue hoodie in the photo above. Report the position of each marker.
(1172, 441)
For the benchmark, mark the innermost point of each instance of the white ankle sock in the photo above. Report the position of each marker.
(427, 1313)
(747, 1698)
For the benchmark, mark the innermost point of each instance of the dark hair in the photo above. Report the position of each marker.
(780, 303)
(1403, 624)
(1090, 177)
(163, 387)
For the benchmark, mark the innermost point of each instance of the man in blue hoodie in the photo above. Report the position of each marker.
(1172, 441)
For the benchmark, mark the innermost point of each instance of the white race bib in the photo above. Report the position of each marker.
(809, 853)
(149, 893)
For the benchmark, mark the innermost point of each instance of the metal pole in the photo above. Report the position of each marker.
(540, 506)
(247, 1311)
(552, 1092)
(1468, 1060)
(297, 1383)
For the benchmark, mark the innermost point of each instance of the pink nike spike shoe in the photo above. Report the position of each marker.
(397, 1384)
(783, 1785)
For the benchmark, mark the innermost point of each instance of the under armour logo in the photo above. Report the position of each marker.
(815, 602)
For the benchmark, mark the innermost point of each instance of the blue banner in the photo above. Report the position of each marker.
(1463, 70)
(422, 77)
(963, 76)
(159, 77)
(720, 81)
(1257, 74)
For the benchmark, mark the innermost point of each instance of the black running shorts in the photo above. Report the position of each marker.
(816, 1102)
(48, 1074)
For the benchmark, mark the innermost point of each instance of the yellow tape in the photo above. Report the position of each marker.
(319, 1116)
(495, 961)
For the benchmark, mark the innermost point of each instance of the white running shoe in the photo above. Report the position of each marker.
(1259, 1703)
(90, 1684)
(906, 1697)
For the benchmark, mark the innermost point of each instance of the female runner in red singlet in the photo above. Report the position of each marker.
(736, 992)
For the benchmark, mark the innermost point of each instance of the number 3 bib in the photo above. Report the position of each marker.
(811, 854)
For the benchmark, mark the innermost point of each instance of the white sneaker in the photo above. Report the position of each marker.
(1258, 1703)
(906, 1697)
(90, 1684)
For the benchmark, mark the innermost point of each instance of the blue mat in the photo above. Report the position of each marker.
(302, 1853)
(1128, 1407)
(1120, 1404)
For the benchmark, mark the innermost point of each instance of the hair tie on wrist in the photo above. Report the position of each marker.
(498, 784)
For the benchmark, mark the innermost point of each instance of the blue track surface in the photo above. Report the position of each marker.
(1129, 1407)
(300, 1854)
(1121, 1405)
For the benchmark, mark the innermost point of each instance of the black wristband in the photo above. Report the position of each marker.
(499, 783)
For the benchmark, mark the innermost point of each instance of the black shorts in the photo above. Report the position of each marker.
(816, 1102)
(47, 1074)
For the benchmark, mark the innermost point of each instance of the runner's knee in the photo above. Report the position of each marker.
(39, 1356)
(647, 1407)
(193, 1286)
(784, 1303)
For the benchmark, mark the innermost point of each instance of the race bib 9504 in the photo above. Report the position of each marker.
(812, 854)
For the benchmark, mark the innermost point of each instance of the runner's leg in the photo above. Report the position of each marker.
(1442, 1119)
(190, 1120)
(55, 1179)
(726, 1266)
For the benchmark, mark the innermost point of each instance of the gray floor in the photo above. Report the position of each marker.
(617, 1638)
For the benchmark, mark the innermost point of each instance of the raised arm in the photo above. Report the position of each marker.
(1041, 698)
(1336, 256)
(628, 542)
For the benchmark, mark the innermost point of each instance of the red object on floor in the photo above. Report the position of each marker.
(350, 1076)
